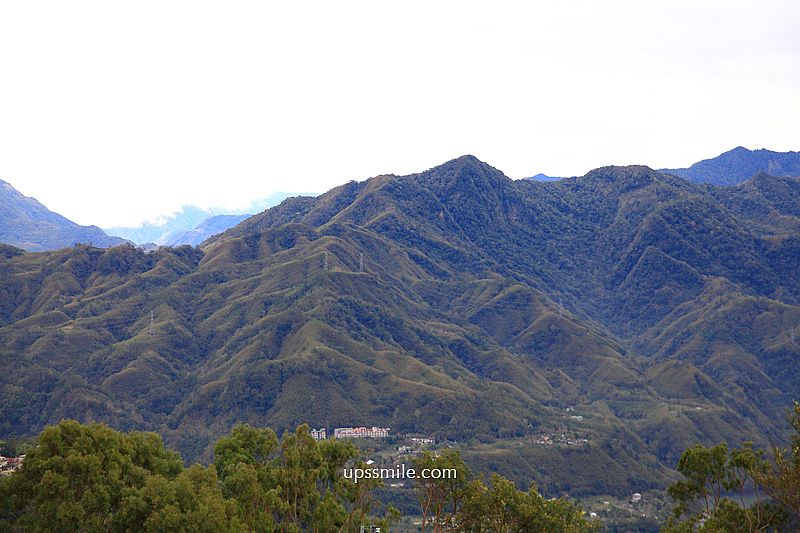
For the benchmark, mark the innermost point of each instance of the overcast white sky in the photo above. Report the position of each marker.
(112, 112)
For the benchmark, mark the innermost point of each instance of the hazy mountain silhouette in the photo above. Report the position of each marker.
(27, 224)
(542, 177)
(192, 224)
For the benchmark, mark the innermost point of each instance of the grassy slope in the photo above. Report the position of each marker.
(659, 309)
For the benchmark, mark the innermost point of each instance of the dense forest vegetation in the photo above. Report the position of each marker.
(628, 310)
(92, 478)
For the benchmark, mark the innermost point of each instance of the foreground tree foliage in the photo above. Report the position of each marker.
(718, 483)
(462, 503)
(92, 478)
(294, 485)
(192, 501)
(782, 480)
(739, 490)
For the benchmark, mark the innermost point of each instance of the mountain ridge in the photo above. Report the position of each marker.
(739, 165)
(453, 302)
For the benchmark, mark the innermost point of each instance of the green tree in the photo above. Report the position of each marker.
(442, 500)
(78, 476)
(704, 472)
(712, 478)
(294, 485)
(246, 445)
(245, 461)
(191, 502)
(92, 478)
(782, 479)
(462, 503)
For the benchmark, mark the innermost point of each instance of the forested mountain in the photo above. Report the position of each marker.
(27, 224)
(628, 307)
(739, 165)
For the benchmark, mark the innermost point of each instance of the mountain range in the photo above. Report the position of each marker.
(730, 168)
(628, 307)
(27, 224)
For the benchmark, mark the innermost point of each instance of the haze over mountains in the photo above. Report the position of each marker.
(205, 229)
(192, 224)
(27, 224)
(455, 302)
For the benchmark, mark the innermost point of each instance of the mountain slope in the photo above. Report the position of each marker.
(739, 165)
(27, 224)
(453, 302)
(622, 246)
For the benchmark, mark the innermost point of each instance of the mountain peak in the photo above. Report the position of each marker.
(623, 173)
(621, 179)
(542, 177)
(466, 162)
(739, 150)
(468, 158)
(464, 169)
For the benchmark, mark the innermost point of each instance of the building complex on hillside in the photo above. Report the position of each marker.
(10, 464)
(360, 432)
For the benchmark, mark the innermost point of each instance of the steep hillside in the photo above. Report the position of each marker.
(27, 224)
(627, 307)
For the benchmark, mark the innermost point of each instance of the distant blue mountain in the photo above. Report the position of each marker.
(159, 233)
(542, 177)
(29, 225)
(192, 223)
(207, 228)
(739, 165)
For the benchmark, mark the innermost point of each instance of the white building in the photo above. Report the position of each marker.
(361, 432)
